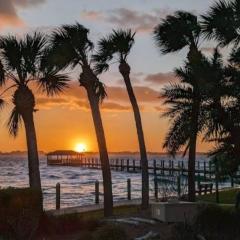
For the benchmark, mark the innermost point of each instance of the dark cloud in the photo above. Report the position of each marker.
(160, 78)
(8, 11)
(27, 3)
(139, 21)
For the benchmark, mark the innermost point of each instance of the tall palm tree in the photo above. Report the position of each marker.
(119, 44)
(22, 62)
(222, 23)
(174, 33)
(71, 47)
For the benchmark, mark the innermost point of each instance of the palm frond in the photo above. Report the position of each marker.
(104, 55)
(2, 74)
(222, 22)
(70, 45)
(14, 122)
(53, 83)
(119, 43)
(100, 91)
(177, 31)
(178, 134)
(2, 103)
(33, 47)
(11, 51)
(176, 91)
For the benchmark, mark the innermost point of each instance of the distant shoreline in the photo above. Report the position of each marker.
(92, 153)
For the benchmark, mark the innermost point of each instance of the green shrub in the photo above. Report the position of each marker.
(20, 211)
(110, 232)
(215, 222)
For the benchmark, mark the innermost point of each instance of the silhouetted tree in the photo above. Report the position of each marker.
(22, 62)
(71, 47)
(222, 23)
(173, 34)
(119, 44)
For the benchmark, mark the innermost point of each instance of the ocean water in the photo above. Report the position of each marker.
(77, 184)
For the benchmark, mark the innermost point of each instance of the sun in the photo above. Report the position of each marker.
(80, 147)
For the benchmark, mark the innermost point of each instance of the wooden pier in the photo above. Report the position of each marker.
(204, 170)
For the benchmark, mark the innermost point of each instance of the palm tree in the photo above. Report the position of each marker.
(22, 62)
(222, 22)
(180, 99)
(173, 34)
(71, 47)
(119, 44)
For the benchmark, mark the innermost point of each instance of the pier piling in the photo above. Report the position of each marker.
(58, 196)
(129, 189)
(97, 192)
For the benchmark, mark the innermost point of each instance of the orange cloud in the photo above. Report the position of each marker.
(161, 78)
(117, 100)
(92, 15)
(143, 94)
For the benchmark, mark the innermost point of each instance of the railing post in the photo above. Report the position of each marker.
(204, 168)
(58, 196)
(129, 188)
(210, 169)
(97, 192)
(216, 182)
(169, 167)
(154, 168)
(199, 189)
(116, 164)
(122, 165)
(179, 186)
(156, 188)
(232, 181)
(163, 171)
(127, 165)
(134, 165)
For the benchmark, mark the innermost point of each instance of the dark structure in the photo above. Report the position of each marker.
(64, 157)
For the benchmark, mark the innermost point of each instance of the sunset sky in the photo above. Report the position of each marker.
(64, 121)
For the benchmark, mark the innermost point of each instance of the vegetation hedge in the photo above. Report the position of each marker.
(213, 222)
(110, 232)
(216, 222)
(20, 212)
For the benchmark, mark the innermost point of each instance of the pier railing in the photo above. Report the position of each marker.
(206, 174)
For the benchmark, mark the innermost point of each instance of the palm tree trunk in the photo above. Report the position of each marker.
(33, 160)
(106, 171)
(124, 69)
(192, 151)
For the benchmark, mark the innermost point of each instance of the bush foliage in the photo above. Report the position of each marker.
(110, 232)
(20, 211)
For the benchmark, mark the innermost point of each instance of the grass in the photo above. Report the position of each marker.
(98, 214)
(225, 197)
